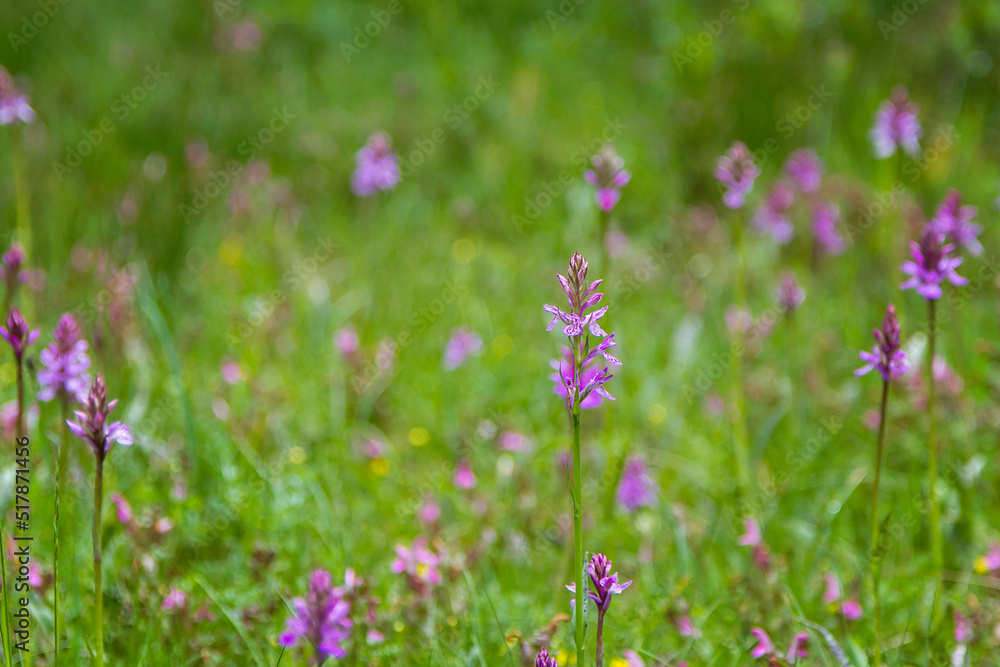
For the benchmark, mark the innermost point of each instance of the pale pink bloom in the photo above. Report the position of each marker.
(831, 593)
(34, 575)
(175, 599)
(374, 636)
(852, 610)
(464, 477)
(512, 441)
(124, 511)
(419, 563)
(231, 372)
(738, 319)
(616, 243)
(632, 659)
(163, 525)
(430, 511)
(373, 449)
(871, 419)
(963, 628)
(764, 645)
(686, 628)
(751, 536)
(246, 36)
(346, 340)
(798, 648)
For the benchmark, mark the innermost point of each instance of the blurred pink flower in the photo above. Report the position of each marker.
(464, 477)
(175, 599)
(420, 565)
(831, 593)
(764, 645)
(231, 372)
(246, 36)
(346, 340)
(751, 536)
(429, 511)
(512, 441)
(852, 610)
(124, 510)
(632, 659)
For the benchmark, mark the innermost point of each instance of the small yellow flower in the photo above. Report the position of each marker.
(618, 662)
(981, 567)
(463, 250)
(379, 467)
(419, 436)
(296, 455)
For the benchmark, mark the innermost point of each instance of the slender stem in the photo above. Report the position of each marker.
(875, 555)
(604, 219)
(5, 621)
(578, 535)
(98, 594)
(60, 467)
(742, 444)
(600, 642)
(932, 467)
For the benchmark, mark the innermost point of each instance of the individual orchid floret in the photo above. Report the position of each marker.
(377, 167)
(831, 589)
(18, 334)
(825, 222)
(896, 126)
(608, 177)
(636, 489)
(736, 171)
(545, 660)
(887, 357)
(789, 294)
(463, 344)
(65, 363)
(91, 423)
(772, 217)
(931, 265)
(322, 618)
(13, 103)
(804, 169)
(954, 222)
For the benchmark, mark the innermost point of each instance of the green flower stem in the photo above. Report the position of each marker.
(875, 555)
(60, 473)
(578, 535)
(98, 595)
(936, 547)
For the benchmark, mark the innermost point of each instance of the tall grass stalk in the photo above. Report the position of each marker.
(578, 632)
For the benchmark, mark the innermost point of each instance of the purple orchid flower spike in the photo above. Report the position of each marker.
(608, 177)
(636, 489)
(887, 357)
(18, 334)
(377, 166)
(91, 423)
(789, 294)
(736, 171)
(805, 169)
(580, 375)
(931, 265)
(825, 222)
(772, 217)
(896, 126)
(954, 222)
(545, 660)
(322, 618)
(65, 364)
(11, 265)
(13, 103)
(603, 586)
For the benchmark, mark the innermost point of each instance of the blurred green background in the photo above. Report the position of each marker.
(266, 479)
